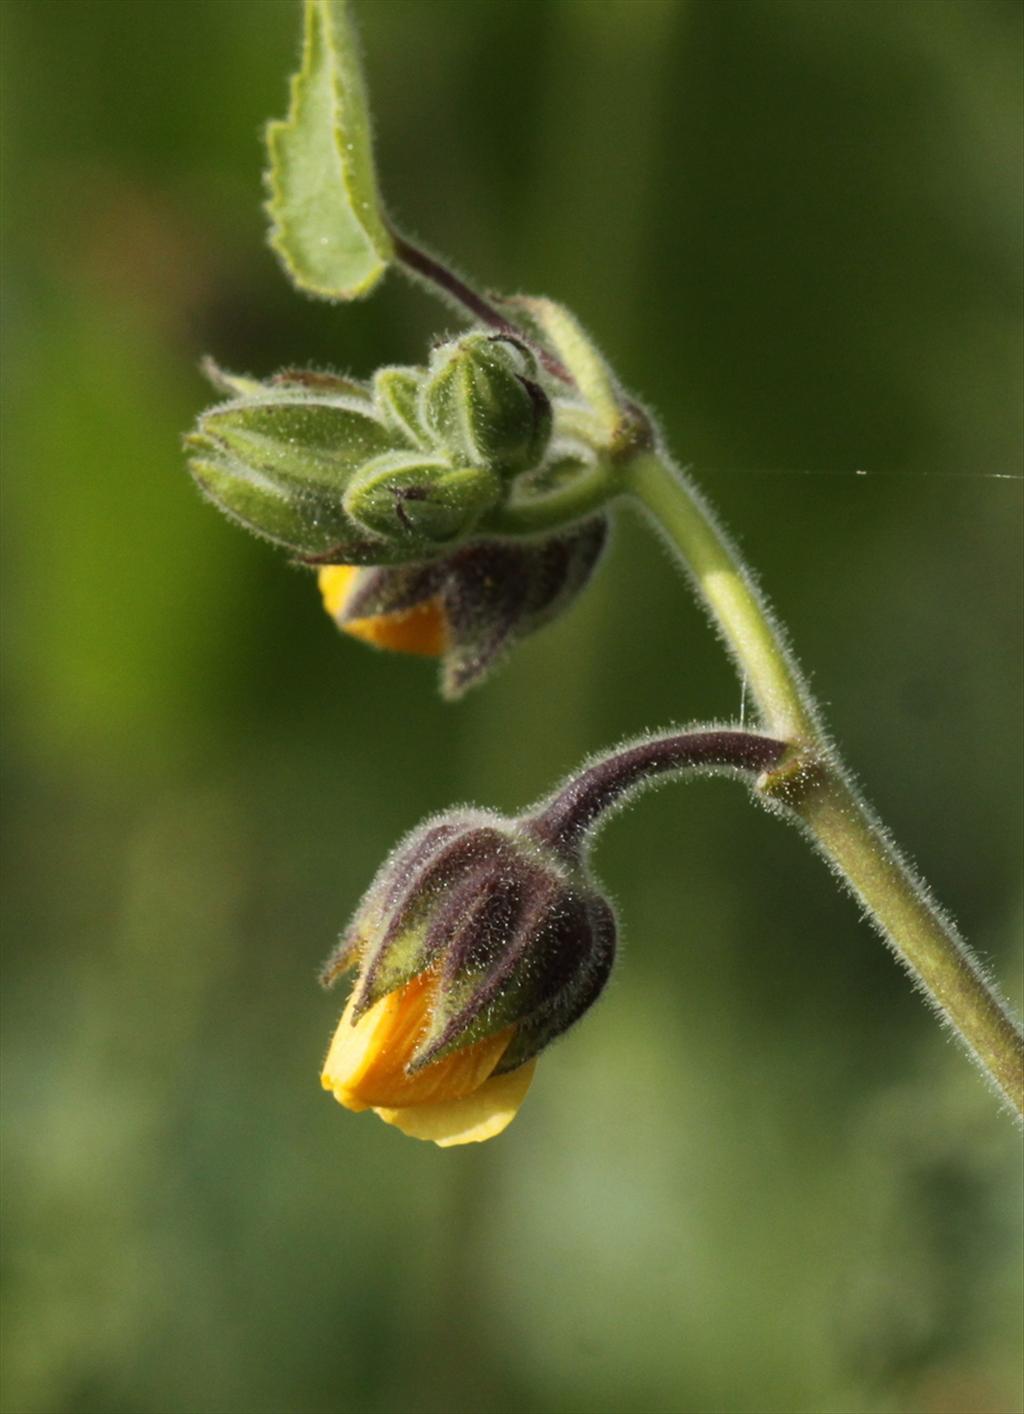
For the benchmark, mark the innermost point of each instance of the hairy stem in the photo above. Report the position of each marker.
(813, 788)
(565, 819)
(899, 904)
(582, 494)
(728, 589)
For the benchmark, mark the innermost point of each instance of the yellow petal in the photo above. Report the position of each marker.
(420, 629)
(335, 583)
(366, 1064)
(470, 1120)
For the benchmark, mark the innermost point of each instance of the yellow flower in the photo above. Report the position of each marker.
(476, 945)
(467, 607)
(420, 629)
(455, 1100)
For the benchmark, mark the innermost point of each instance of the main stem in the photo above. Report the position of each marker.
(851, 838)
(738, 608)
(816, 791)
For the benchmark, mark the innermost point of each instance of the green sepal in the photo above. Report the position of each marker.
(235, 385)
(304, 518)
(308, 440)
(317, 380)
(456, 1012)
(483, 403)
(345, 955)
(398, 396)
(562, 332)
(303, 381)
(397, 964)
(407, 497)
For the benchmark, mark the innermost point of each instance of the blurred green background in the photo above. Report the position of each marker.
(758, 1177)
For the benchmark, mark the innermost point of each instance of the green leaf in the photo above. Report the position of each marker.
(327, 227)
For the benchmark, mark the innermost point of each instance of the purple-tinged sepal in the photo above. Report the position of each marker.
(478, 601)
(513, 935)
(502, 591)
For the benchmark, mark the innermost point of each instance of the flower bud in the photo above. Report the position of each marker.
(483, 939)
(484, 404)
(406, 496)
(477, 944)
(470, 607)
(279, 463)
(398, 471)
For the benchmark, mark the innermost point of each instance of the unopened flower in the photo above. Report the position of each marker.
(483, 939)
(387, 472)
(476, 945)
(409, 627)
(483, 400)
(450, 509)
(469, 608)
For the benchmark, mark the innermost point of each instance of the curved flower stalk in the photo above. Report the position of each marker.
(483, 939)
